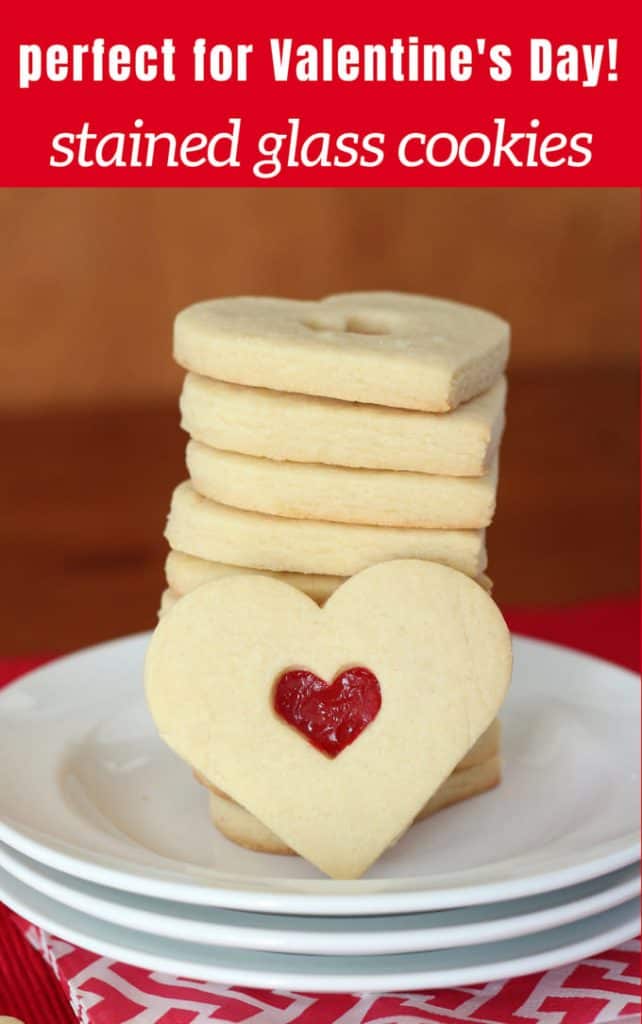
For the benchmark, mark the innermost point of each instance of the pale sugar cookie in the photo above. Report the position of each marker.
(168, 599)
(487, 746)
(378, 497)
(410, 660)
(304, 428)
(242, 828)
(185, 572)
(386, 348)
(217, 532)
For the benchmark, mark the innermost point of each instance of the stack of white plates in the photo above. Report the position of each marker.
(106, 842)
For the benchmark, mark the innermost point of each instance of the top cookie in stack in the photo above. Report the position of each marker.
(328, 436)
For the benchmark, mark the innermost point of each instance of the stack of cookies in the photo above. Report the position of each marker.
(329, 436)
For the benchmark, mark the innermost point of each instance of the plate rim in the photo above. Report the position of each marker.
(322, 896)
(611, 857)
(364, 943)
(412, 980)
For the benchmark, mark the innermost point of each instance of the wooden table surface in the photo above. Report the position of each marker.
(86, 492)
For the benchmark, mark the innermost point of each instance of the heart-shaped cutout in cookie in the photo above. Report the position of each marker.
(330, 715)
(435, 641)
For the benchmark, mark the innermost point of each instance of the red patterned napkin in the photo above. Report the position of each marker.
(600, 990)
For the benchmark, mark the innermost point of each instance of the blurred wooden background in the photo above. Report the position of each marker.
(90, 449)
(91, 279)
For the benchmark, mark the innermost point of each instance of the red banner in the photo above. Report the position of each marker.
(339, 94)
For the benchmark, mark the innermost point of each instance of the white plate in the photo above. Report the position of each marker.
(467, 965)
(324, 936)
(89, 788)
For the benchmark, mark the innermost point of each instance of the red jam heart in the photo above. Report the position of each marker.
(330, 715)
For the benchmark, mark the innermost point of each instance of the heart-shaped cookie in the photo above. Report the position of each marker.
(433, 639)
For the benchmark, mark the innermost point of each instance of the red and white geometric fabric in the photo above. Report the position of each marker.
(600, 990)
